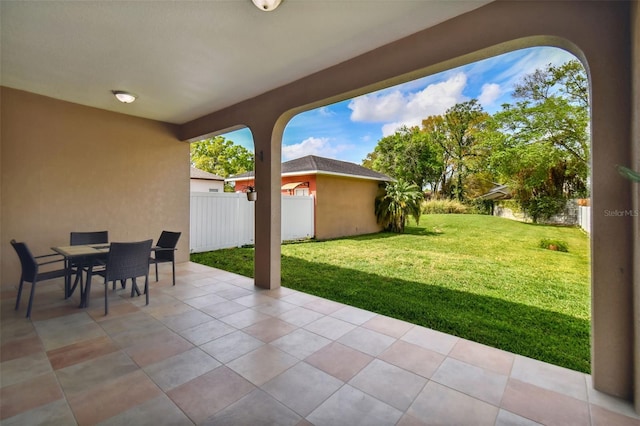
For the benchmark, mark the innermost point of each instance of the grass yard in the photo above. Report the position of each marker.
(482, 278)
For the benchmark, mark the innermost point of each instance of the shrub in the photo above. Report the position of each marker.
(444, 207)
(396, 204)
(478, 206)
(512, 205)
(556, 245)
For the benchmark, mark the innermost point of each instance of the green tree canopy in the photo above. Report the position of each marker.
(458, 133)
(540, 144)
(221, 156)
(410, 155)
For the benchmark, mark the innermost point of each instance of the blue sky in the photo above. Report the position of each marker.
(351, 129)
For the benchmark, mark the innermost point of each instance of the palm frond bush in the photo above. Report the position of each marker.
(399, 201)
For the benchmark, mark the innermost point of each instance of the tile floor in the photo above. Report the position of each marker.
(214, 350)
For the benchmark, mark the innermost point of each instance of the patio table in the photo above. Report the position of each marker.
(83, 255)
(86, 255)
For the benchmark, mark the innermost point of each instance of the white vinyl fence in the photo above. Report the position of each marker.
(584, 218)
(573, 214)
(224, 220)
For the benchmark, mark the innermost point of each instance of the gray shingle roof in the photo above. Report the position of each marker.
(312, 164)
(498, 192)
(201, 174)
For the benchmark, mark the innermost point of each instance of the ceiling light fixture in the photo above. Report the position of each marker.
(124, 97)
(266, 5)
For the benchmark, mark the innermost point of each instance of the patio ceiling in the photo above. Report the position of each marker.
(190, 58)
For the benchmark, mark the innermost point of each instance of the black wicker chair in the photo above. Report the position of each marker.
(126, 260)
(97, 237)
(165, 251)
(80, 265)
(31, 271)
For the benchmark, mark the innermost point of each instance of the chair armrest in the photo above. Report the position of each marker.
(47, 255)
(51, 261)
(163, 249)
(61, 258)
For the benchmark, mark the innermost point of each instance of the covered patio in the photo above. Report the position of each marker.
(75, 159)
(217, 350)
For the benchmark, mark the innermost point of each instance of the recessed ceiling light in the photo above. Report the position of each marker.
(266, 5)
(124, 97)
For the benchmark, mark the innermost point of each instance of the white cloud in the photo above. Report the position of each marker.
(390, 128)
(535, 58)
(435, 99)
(377, 107)
(395, 108)
(312, 146)
(325, 111)
(490, 92)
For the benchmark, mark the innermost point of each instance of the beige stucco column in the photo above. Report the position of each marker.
(635, 163)
(266, 121)
(608, 64)
(267, 138)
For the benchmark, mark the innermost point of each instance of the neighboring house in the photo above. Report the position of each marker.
(202, 181)
(571, 214)
(344, 193)
(498, 192)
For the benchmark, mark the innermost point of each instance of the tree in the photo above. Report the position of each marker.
(553, 106)
(396, 203)
(409, 155)
(540, 144)
(458, 133)
(221, 156)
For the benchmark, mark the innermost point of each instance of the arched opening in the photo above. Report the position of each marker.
(386, 111)
(346, 131)
(222, 188)
(611, 113)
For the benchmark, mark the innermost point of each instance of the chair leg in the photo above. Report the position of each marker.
(123, 284)
(146, 287)
(33, 292)
(156, 271)
(19, 293)
(75, 283)
(67, 279)
(173, 270)
(84, 301)
(134, 287)
(106, 298)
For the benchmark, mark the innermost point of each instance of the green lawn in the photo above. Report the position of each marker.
(482, 278)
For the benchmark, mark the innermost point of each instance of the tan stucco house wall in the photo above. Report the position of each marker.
(67, 167)
(345, 207)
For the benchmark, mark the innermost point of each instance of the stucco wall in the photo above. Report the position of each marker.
(67, 167)
(344, 207)
(635, 163)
